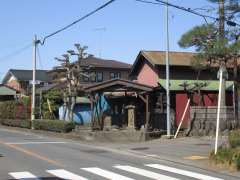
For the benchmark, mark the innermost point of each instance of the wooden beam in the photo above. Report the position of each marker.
(147, 114)
(142, 97)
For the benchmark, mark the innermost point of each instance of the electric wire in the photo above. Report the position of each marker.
(15, 53)
(149, 2)
(230, 23)
(75, 22)
(189, 10)
(39, 57)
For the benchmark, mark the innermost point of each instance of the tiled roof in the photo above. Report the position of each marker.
(104, 63)
(175, 58)
(26, 75)
(5, 90)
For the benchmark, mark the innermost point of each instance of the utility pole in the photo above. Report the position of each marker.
(167, 71)
(35, 42)
(219, 109)
(222, 73)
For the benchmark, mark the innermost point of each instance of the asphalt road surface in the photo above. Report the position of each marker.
(28, 156)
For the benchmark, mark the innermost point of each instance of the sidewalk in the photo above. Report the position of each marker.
(190, 151)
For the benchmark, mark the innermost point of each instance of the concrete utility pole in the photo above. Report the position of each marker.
(219, 109)
(167, 72)
(35, 42)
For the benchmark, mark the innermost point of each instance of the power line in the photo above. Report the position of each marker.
(230, 23)
(77, 21)
(39, 57)
(189, 10)
(17, 52)
(149, 2)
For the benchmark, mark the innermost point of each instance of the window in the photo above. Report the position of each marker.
(93, 76)
(112, 75)
(99, 76)
(115, 75)
(85, 77)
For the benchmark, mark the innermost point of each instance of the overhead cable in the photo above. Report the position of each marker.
(77, 21)
(17, 52)
(39, 57)
(230, 23)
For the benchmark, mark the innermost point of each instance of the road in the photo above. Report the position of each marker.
(28, 156)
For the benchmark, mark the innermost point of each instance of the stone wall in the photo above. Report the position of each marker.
(203, 120)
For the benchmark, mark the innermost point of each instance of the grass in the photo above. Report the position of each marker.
(229, 156)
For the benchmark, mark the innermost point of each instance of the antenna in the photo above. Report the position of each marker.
(101, 31)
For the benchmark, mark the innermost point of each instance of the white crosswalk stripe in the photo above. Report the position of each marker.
(23, 175)
(61, 173)
(106, 174)
(146, 173)
(182, 172)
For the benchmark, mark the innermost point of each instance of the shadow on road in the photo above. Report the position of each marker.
(42, 178)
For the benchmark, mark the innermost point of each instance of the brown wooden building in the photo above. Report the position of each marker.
(98, 69)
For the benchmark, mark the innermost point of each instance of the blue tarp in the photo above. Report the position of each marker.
(82, 111)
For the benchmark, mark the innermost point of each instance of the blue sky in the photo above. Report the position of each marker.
(130, 27)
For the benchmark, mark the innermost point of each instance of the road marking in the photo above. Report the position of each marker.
(23, 175)
(30, 153)
(182, 172)
(61, 173)
(25, 143)
(146, 173)
(106, 174)
(195, 157)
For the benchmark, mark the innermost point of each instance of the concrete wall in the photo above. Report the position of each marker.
(203, 120)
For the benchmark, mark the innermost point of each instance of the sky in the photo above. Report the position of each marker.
(117, 32)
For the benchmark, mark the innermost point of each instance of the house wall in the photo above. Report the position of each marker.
(184, 72)
(14, 84)
(147, 76)
(22, 86)
(59, 76)
(210, 100)
(106, 74)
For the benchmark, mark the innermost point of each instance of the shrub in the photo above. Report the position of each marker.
(16, 123)
(234, 139)
(236, 158)
(53, 125)
(14, 110)
(227, 156)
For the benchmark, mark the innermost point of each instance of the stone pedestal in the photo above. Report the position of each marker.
(107, 122)
(131, 116)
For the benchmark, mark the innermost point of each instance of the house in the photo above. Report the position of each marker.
(96, 70)
(21, 80)
(7, 93)
(149, 68)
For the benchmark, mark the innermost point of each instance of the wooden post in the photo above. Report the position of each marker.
(147, 112)
(145, 100)
(92, 111)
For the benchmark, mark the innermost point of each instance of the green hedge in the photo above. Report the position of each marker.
(14, 110)
(16, 123)
(53, 125)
